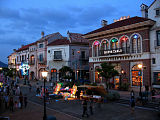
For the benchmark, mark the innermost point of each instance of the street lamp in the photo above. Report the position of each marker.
(44, 75)
(140, 66)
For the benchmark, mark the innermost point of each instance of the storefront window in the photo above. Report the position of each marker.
(156, 77)
(136, 76)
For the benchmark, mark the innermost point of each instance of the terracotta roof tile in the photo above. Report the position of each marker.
(25, 47)
(77, 37)
(121, 23)
(59, 42)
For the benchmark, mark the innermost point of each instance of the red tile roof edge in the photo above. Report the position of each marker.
(129, 21)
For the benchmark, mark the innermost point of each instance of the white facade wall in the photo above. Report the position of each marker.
(60, 63)
(155, 50)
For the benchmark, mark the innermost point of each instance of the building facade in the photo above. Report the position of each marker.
(125, 44)
(72, 52)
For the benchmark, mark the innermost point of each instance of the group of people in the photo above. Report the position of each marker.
(11, 96)
(85, 107)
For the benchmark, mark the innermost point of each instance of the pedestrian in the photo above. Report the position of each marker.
(30, 87)
(6, 101)
(11, 104)
(153, 94)
(21, 100)
(16, 104)
(132, 94)
(91, 106)
(84, 103)
(25, 101)
(132, 103)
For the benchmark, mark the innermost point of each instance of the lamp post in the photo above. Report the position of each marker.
(140, 74)
(44, 75)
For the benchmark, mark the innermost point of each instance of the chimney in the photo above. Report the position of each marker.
(14, 50)
(104, 23)
(144, 10)
(42, 34)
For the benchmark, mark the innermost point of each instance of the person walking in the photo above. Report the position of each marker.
(84, 103)
(153, 94)
(6, 101)
(11, 104)
(21, 100)
(91, 106)
(25, 101)
(132, 94)
(132, 103)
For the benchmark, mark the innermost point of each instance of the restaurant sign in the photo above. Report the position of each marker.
(113, 51)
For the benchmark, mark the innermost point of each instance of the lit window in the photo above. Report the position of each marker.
(95, 49)
(136, 44)
(114, 43)
(104, 45)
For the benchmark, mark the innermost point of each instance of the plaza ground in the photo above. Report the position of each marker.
(72, 110)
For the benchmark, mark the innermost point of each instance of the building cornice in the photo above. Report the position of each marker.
(120, 30)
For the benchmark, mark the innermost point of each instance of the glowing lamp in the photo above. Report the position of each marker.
(135, 36)
(0, 68)
(140, 66)
(44, 74)
(96, 43)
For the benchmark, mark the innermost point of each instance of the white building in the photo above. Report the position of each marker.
(153, 12)
(72, 52)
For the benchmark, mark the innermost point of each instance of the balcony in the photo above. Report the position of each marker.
(32, 62)
(57, 58)
(83, 59)
(117, 51)
(41, 61)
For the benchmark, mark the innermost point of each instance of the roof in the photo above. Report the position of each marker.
(59, 42)
(25, 47)
(76, 37)
(152, 4)
(51, 37)
(121, 23)
(3, 64)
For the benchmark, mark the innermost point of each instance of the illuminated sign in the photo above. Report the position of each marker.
(24, 68)
(113, 51)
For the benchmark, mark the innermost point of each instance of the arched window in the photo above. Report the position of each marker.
(136, 76)
(114, 43)
(124, 44)
(95, 48)
(136, 43)
(104, 45)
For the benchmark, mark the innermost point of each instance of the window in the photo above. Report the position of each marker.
(95, 49)
(114, 43)
(48, 51)
(57, 54)
(157, 12)
(136, 43)
(82, 54)
(104, 45)
(153, 61)
(156, 77)
(20, 59)
(158, 38)
(40, 45)
(72, 51)
(124, 43)
(136, 78)
(17, 58)
(41, 57)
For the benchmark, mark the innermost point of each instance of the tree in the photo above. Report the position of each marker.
(66, 72)
(107, 71)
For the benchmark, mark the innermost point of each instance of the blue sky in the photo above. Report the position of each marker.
(23, 20)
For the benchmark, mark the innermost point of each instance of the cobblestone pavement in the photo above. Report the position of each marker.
(72, 110)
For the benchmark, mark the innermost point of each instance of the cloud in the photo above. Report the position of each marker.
(17, 40)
